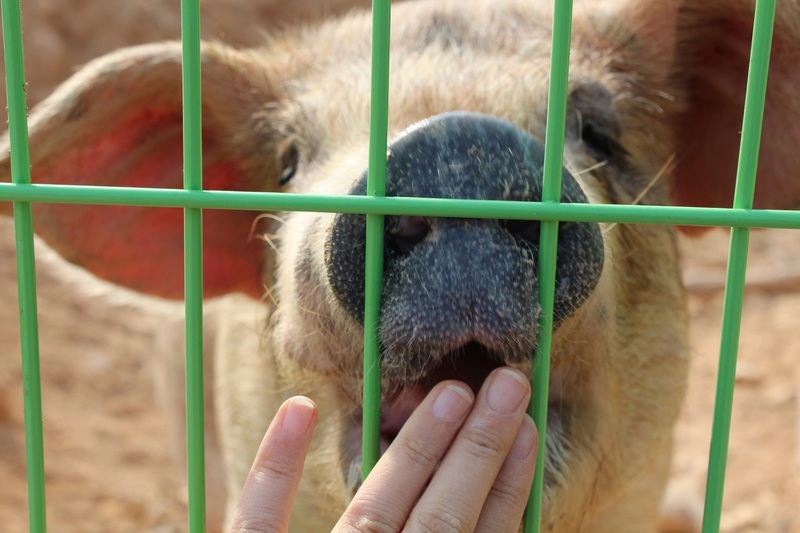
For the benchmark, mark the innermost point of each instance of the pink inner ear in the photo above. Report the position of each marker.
(142, 248)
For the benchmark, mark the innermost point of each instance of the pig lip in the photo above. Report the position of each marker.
(470, 364)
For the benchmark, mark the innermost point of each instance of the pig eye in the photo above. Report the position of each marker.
(601, 144)
(290, 159)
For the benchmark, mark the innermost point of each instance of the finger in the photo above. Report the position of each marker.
(457, 493)
(506, 502)
(385, 500)
(268, 494)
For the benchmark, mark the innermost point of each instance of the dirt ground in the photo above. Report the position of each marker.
(107, 453)
(763, 481)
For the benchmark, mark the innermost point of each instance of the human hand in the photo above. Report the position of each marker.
(460, 461)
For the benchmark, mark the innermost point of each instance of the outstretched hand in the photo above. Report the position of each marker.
(459, 460)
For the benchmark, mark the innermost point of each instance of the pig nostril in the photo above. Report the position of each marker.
(404, 233)
(527, 230)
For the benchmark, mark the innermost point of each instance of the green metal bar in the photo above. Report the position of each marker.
(548, 245)
(373, 273)
(26, 267)
(193, 263)
(737, 262)
(262, 201)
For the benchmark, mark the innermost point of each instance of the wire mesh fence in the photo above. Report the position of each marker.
(193, 199)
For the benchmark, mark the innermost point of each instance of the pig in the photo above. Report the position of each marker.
(654, 113)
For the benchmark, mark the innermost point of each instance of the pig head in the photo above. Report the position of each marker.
(654, 111)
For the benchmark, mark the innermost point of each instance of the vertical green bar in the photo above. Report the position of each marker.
(193, 263)
(26, 268)
(548, 243)
(737, 261)
(373, 274)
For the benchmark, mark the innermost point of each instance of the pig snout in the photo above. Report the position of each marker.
(462, 288)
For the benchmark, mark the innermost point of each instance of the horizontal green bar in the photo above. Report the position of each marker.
(262, 201)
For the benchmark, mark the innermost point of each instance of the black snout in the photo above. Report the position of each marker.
(450, 282)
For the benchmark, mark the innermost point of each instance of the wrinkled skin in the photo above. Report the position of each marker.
(649, 83)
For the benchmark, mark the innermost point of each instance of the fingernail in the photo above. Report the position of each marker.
(451, 404)
(298, 415)
(526, 440)
(507, 389)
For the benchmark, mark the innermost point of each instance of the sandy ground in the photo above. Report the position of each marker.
(763, 485)
(108, 461)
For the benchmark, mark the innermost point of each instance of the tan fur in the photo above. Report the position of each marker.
(619, 362)
(60, 38)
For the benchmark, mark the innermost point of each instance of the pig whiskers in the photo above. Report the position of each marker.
(267, 296)
(665, 168)
(266, 237)
(262, 216)
(663, 171)
(591, 168)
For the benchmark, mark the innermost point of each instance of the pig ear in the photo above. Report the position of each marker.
(118, 122)
(698, 52)
(713, 55)
(712, 62)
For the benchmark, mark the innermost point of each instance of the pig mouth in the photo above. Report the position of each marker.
(470, 364)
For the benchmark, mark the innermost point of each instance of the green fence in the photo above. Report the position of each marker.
(193, 200)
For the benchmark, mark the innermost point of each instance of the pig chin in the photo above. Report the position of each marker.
(469, 364)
